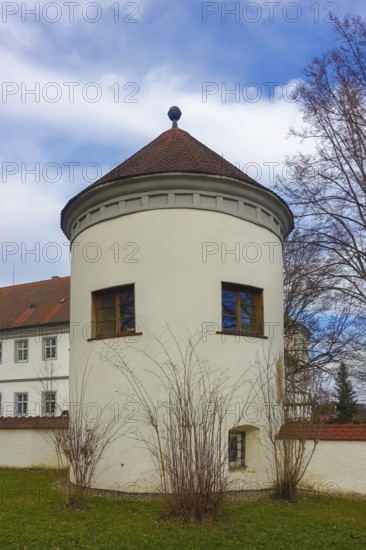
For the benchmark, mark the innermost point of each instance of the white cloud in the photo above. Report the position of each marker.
(149, 68)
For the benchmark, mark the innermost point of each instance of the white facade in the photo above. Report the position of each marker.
(177, 260)
(34, 370)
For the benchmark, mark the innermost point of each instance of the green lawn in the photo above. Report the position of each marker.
(33, 516)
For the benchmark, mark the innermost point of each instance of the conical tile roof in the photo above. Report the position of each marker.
(174, 151)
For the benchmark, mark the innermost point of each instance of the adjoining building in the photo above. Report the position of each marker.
(34, 369)
(34, 347)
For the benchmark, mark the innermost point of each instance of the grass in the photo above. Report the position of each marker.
(33, 516)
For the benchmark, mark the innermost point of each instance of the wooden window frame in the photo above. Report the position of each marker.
(95, 312)
(259, 320)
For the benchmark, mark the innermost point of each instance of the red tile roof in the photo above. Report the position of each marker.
(327, 432)
(33, 304)
(174, 151)
(35, 422)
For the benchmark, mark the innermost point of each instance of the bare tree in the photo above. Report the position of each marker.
(187, 419)
(327, 188)
(346, 406)
(91, 431)
(320, 325)
(47, 387)
(291, 437)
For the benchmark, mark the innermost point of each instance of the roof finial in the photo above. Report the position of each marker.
(174, 114)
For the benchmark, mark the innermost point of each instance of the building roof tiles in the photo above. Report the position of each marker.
(33, 304)
(325, 432)
(175, 150)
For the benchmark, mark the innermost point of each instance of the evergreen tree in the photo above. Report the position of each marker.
(346, 397)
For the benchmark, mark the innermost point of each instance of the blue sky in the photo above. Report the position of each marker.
(103, 77)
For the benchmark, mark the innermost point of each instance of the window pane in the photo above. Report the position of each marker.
(127, 309)
(228, 309)
(107, 314)
(50, 348)
(247, 311)
(233, 447)
(49, 402)
(106, 327)
(106, 300)
(127, 295)
(22, 350)
(127, 323)
(236, 449)
(22, 403)
(229, 298)
(247, 320)
(228, 323)
(229, 301)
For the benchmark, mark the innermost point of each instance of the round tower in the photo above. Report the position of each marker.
(177, 237)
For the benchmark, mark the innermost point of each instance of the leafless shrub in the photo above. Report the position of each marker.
(83, 444)
(47, 382)
(288, 428)
(189, 446)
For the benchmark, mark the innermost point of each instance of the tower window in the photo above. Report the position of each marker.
(242, 309)
(114, 311)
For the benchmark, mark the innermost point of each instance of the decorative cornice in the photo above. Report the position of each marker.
(41, 379)
(178, 190)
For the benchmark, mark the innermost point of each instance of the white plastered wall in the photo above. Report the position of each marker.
(27, 448)
(177, 281)
(337, 466)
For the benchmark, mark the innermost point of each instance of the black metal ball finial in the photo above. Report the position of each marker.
(174, 114)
